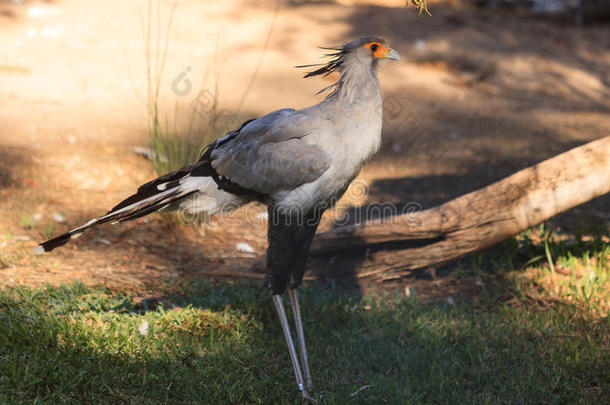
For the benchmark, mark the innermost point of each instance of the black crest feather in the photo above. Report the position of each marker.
(327, 68)
(338, 56)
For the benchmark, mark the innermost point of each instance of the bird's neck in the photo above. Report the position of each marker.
(358, 83)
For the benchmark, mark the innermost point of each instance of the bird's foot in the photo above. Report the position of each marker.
(307, 399)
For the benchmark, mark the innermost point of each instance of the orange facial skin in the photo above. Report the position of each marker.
(378, 49)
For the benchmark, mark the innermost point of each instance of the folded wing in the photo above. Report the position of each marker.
(272, 153)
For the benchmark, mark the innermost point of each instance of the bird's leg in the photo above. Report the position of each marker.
(296, 310)
(303, 239)
(279, 306)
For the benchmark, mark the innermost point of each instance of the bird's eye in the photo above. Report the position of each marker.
(374, 47)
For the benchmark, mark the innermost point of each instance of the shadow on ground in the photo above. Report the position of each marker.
(16, 164)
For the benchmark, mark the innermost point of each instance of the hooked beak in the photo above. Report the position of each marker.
(393, 55)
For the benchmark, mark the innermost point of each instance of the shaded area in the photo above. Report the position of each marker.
(16, 168)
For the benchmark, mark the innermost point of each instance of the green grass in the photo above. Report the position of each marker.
(542, 265)
(222, 344)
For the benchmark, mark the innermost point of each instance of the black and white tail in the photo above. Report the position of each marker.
(172, 190)
(150, 197)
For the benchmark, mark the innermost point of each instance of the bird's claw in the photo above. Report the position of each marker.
(308, 400)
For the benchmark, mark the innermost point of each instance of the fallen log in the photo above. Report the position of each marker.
(477, 220)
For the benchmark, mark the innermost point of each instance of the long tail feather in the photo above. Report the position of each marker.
(149, 198)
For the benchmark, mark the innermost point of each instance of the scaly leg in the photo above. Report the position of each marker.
(279, 306)
(296, 310)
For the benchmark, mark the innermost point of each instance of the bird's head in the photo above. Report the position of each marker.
(362, 51)
(371, 49)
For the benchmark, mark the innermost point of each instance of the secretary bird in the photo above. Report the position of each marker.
(297, 162)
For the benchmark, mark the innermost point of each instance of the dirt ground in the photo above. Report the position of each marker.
(479, 94)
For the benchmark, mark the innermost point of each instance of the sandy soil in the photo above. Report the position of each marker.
(479, 95)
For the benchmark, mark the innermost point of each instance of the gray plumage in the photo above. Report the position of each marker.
(271, 153)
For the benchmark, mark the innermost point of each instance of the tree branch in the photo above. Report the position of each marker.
(479, 219)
